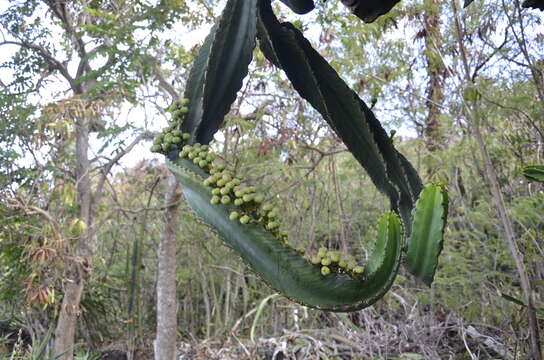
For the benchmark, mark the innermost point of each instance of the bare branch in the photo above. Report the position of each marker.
(107, 168)
(489, 57)
(164, 83)
(84, 61)
(48, 57)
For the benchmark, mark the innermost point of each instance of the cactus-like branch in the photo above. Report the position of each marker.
(328, 280)
(300, 6)
(219, 69)
(368, 10)
(281, 266)
(534, 172)
(341, 107)
(426, 240)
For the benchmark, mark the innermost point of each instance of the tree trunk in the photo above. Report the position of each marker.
(436, 71)
(78, 270)
(165, 342)
(66, 324)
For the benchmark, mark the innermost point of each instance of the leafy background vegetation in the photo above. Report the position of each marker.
(431, 70)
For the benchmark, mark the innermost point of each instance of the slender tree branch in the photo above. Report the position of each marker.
(489, 57)
(107, 167)
(164, 83)
(47, 56)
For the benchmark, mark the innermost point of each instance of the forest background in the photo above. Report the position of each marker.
(84, 85)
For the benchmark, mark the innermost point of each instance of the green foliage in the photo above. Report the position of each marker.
(13, 128)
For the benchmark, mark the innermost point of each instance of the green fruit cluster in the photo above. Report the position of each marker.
(172, 138)
(334, 261)
(226, 188)
(199, 154)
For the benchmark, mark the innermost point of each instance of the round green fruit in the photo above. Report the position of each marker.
(322, 251)
(225, 199)
(215, 200)
(316, 260)
(325, 271)
(156, 148)
(244, 219)
(272, 225)
(334, 256)
(233, 215)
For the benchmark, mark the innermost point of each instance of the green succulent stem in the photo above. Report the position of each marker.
(282, 267)
(235, 211)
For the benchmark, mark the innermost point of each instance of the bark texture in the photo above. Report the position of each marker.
(66, 324)
(78, 270)
(165, 341)
(436, 71)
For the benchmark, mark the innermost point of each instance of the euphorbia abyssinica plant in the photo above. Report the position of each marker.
(324, 279)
